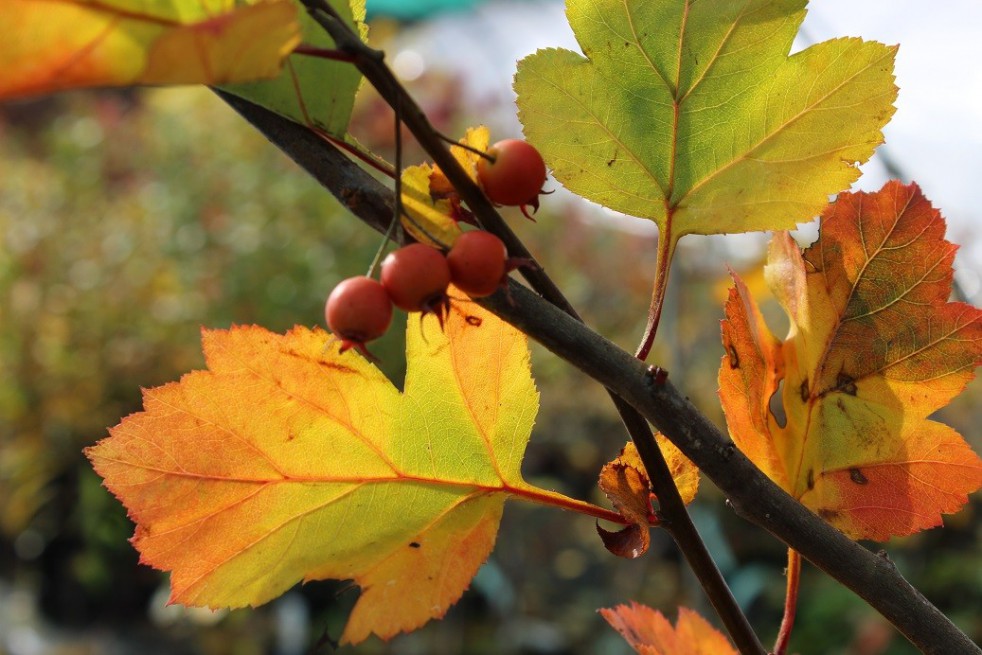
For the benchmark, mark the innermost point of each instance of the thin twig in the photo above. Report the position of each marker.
(375, 162)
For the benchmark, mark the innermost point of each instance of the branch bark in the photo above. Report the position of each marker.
(750, 493)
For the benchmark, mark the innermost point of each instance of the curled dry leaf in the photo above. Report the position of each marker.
(626, 484)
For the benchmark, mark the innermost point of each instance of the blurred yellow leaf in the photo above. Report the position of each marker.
(49, 46)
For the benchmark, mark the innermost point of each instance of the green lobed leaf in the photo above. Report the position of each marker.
(692, 114)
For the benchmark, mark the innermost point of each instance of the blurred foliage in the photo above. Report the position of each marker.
(128, 221)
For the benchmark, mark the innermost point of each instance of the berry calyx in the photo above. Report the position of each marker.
(358, 311)
(416, 278)
(513, 173)
(478, 263)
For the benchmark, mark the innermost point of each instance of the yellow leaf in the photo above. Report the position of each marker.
(54, 45)
(286, 461)
(431, 202)
(428, 217)
(695, 116)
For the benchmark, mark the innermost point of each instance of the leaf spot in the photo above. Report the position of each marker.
(734, 357)
(803, 390)
(811, 479)
(414, 544)
(846, 384)
(474, 320)
(857, 476)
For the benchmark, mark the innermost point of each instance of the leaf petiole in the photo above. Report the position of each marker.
(666, 250)
(790, 603)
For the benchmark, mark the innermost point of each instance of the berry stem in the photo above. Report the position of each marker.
(397, 211)
(397, 214)
(386, 238)
(790, 603)
(440, 244)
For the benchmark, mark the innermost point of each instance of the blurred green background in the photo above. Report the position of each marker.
(129, 220)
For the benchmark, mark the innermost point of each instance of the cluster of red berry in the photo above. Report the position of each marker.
(415, 277)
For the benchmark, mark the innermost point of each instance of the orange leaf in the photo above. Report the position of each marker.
(874, 349)
(286, 460)
(650, 633)
(54, 45)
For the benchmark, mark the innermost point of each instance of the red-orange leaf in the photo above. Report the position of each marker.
(287, 461)
(874, 349)
(54, 45)
(650, 633)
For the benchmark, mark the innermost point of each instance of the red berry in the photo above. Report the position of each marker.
(358, 310)
(416, 278)
(478, 263)
(516, 175)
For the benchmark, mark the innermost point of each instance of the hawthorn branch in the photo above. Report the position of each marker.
(873, 577)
